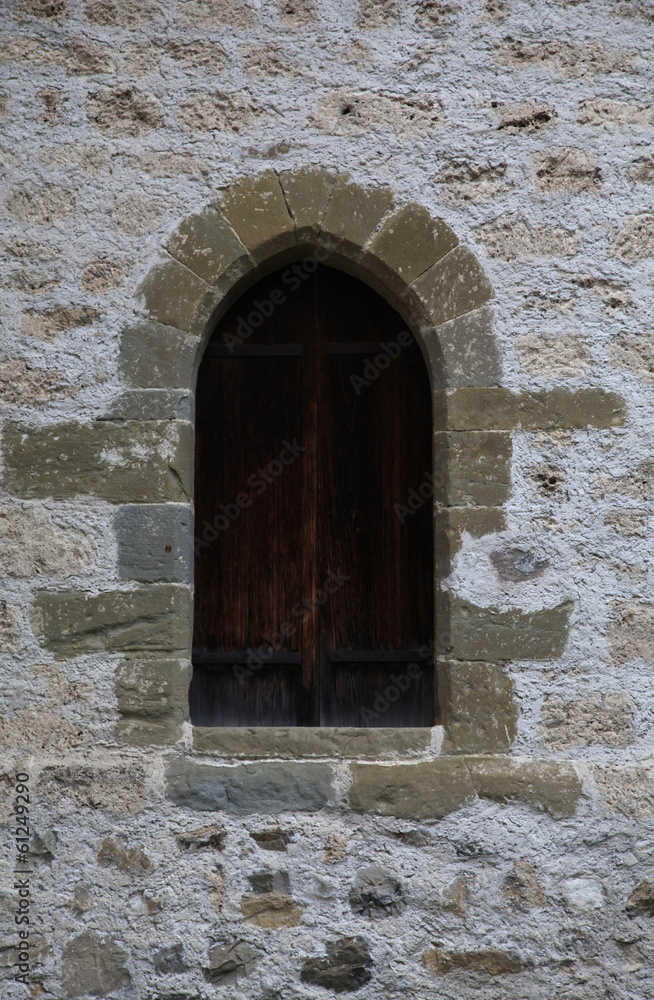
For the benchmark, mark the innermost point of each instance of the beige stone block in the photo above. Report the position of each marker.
(307, 193)
(428, 790)
(124, 111)
(571, 170)
(325, 741)
(129, 461)
(406, 245)
(148, 620)
(634, 353)
(479, 711)
(208, 245)
(552, 787)
(352, 215)
(118, 790)
(491, 635)
(454, 286)
(511, 237)
(176, 296)
(472, 468)
(255, 208)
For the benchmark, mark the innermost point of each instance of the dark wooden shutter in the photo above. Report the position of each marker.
(312, 596)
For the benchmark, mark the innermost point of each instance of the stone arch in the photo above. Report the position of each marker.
(413, 260)
(258, 223)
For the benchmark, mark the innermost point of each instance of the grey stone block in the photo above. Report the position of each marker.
(267, 787)
(154, 542)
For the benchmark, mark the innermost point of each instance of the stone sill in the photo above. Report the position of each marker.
(293, 743)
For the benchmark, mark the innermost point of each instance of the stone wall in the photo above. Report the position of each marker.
(497, 160)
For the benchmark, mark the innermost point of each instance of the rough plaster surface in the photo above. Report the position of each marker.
(527, 128)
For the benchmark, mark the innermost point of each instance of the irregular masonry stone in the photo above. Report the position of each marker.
(626, 790)
(123, 111)
(150, 404)
(352, 215)
(517, 565)
(271, 910)
(213, 837)
(176, 296)
(491, 960)
(170, 961)
(153, 689)
(118, 790)
(468, 409)
(268, 787)
(93, 965)
(599, 717)
(149, 620)
(154, 542)
(454, 286)
(229, 963)
(128, 462)
(635, 241)
(472, 468)
(154, 356)
(428, 790)
(325, 741)
(479, 710)
(408, 243)
(553, 356)
(256, 209)
(630, 634)
(376, 893)
(641, 900)
(522, 887)
(489, 634)
(32, 543)
(307, 192)
(127, 859)
(464, 351)
(266, 881)
(550, 786)
(566, 170)
(208, 245)
(272, 840)
(347, 967)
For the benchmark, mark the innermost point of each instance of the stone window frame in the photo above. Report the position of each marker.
(416, 262)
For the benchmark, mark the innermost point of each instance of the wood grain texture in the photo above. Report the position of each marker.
(306, 440)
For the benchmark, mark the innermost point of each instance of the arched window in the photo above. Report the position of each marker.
(314, 593)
